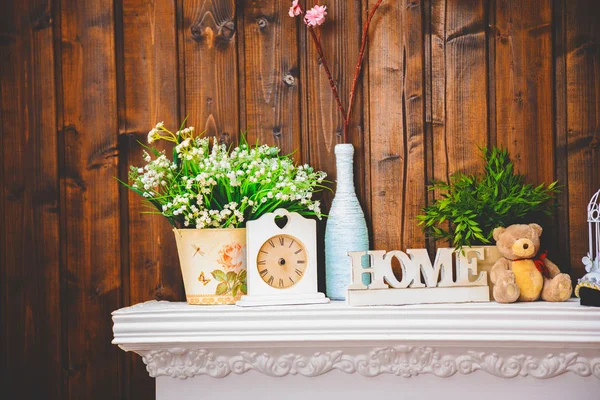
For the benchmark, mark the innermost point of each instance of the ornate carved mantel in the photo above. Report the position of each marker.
(474, 347)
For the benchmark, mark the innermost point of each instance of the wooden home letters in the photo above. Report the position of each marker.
(421, 281)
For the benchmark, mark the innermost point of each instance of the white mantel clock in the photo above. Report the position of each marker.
(282, 262)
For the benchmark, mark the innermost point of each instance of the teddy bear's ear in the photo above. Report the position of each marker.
(497, 232)
(536, 228)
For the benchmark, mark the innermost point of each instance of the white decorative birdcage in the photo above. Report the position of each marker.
(593, 256)
(592, 260)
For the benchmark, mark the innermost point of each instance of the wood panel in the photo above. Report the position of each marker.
(524, 93)
(458, 108)
(271, 75)
(435, 106)
(210, 67)
(150, 74)
(397, 131)
(560, 143)
(465, 116)
(3, 260)
(31, 345)
(90, 198)
(436, 89)
(583, 119)
(524, 87)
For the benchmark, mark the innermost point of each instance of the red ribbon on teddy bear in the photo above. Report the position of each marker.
(539, 263)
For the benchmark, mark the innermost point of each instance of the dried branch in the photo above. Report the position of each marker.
(358, 67)
(323, 60)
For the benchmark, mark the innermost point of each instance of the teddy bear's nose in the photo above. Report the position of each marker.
(525, 246)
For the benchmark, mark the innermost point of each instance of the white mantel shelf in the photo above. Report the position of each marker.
(183, 345)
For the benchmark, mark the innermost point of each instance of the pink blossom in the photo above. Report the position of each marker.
(295, 9)
(315, 16)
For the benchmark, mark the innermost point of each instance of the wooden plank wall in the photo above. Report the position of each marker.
(31, 288)
(82, 82)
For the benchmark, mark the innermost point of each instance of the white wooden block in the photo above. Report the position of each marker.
(282, 299)
(382, 297)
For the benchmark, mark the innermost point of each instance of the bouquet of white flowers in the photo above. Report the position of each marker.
(211, 185)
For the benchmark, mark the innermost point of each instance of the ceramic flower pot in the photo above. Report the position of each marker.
(213, 264)
(491, 255)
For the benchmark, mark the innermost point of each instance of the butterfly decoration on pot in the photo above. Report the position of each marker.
(590, 265)
(203, 279)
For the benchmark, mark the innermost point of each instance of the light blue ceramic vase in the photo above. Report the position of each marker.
(346, 227)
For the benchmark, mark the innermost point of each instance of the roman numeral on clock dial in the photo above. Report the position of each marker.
(286, 259)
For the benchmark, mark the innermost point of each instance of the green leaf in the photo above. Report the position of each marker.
(242, 276)
(231, 276)
(244, 289)
(234, 291)
(219, 275)
(222, 288)
(473, 205)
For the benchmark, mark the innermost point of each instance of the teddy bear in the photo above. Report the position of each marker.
(523, 273)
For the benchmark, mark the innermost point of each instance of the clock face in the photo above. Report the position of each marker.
(282, 261)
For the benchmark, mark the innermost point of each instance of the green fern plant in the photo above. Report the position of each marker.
(471, 206)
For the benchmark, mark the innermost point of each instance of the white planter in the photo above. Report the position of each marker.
(213, 264)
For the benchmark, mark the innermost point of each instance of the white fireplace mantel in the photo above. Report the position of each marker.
(358, 352)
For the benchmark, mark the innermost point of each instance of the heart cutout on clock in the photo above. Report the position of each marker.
(281, 222)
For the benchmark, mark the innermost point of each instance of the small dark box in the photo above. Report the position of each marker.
(589, 297)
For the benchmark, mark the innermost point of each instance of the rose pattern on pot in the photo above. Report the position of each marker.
(232, 282)
(231, 256)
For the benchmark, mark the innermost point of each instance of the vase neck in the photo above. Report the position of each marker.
(344, 162)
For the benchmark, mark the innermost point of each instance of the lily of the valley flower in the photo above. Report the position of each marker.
(155, 135)
(209, 185)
